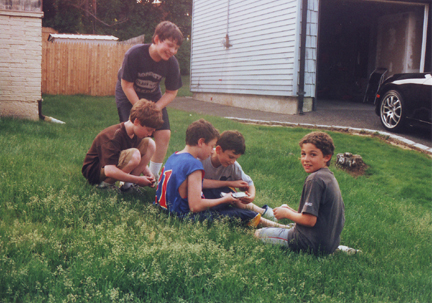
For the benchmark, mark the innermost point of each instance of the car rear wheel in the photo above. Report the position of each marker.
(391, 111)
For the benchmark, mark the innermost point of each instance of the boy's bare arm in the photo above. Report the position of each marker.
(166, 99)
(300, 218)
(112, 171)
(208, 183)
(196, 203)
(129, 91)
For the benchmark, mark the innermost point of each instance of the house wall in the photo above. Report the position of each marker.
(20, 63)
(262, 61)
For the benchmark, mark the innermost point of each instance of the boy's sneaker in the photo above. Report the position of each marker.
(108, 186)
(268, 213)
(255, 221)
(133, 188)
(347, 250)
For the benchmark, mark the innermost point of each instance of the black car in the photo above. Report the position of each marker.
(405, 99)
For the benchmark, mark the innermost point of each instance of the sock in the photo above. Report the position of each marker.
(126, 185)
(155, 168)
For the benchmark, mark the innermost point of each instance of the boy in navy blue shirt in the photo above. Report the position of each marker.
(144, 66)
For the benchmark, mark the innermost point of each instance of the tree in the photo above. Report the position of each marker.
(180, 13)
(122, 18)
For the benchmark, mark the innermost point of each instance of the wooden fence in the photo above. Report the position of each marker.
(81, 68)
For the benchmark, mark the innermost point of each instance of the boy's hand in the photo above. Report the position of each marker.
(147, 173)
(242, 185)
(228, 198)
(248, 199)
(286, 206)
(282, 212)
(146, 181)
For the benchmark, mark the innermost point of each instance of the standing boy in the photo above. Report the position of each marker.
(121, 152)
(320, 217)
(143, 68)
(180, 184)
(223, 173)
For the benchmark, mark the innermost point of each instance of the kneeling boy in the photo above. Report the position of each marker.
(121, 152)
(320, 217)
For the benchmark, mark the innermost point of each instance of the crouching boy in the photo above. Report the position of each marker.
(121, 152)
(320, 216)
(180, 184)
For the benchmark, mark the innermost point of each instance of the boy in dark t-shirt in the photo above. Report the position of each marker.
(320, 217)
(144, 66)
(121, 152)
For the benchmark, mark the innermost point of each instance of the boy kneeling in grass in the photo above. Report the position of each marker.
(180, 183)
(320, 217)
(223, 173)
(121, 152)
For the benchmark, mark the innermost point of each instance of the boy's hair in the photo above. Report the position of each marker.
(168, 30)
(322, 141)
(232, 140)
(200, 129)
(146, 113)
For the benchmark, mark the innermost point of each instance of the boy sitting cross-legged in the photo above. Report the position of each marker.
(223, 173)
(121, 152)
(180, 184)
(320, 217)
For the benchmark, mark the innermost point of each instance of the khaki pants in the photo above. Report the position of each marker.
(125, 157)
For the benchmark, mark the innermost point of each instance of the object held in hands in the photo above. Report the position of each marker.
(236, 195)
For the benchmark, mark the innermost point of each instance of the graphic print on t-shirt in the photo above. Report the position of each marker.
(147, 82)
(165, 177)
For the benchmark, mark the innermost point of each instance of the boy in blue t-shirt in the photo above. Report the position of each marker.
(320, 217)
(180, 184)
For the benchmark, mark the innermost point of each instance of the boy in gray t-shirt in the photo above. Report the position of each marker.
(224, 174)
(320, 217)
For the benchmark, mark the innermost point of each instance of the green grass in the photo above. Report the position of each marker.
(62, 240)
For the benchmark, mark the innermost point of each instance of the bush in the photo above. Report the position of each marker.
(183, 57)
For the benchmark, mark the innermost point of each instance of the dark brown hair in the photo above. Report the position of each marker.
(200, 129)
(322, 141)
(232, 140)
(168, 30)
(146, 113)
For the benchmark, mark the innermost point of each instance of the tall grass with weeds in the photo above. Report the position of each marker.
(62, 240)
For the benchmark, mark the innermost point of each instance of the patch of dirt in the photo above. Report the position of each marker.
(356, 171)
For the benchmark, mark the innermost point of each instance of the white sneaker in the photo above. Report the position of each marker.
(268, 213)
(107, 186)
(347, 250)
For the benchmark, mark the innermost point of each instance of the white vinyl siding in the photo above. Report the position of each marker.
(261, 60)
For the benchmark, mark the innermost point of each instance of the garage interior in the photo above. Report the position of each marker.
(358, 36)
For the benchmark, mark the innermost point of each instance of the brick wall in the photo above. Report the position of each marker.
(20, 63)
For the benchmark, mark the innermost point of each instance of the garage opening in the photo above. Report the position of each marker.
(356, 37)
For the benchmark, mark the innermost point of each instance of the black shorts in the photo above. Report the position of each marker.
(124, 107)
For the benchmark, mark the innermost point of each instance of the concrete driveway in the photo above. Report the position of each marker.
(329, 113)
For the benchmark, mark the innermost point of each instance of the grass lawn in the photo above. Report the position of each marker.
(62, 240)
